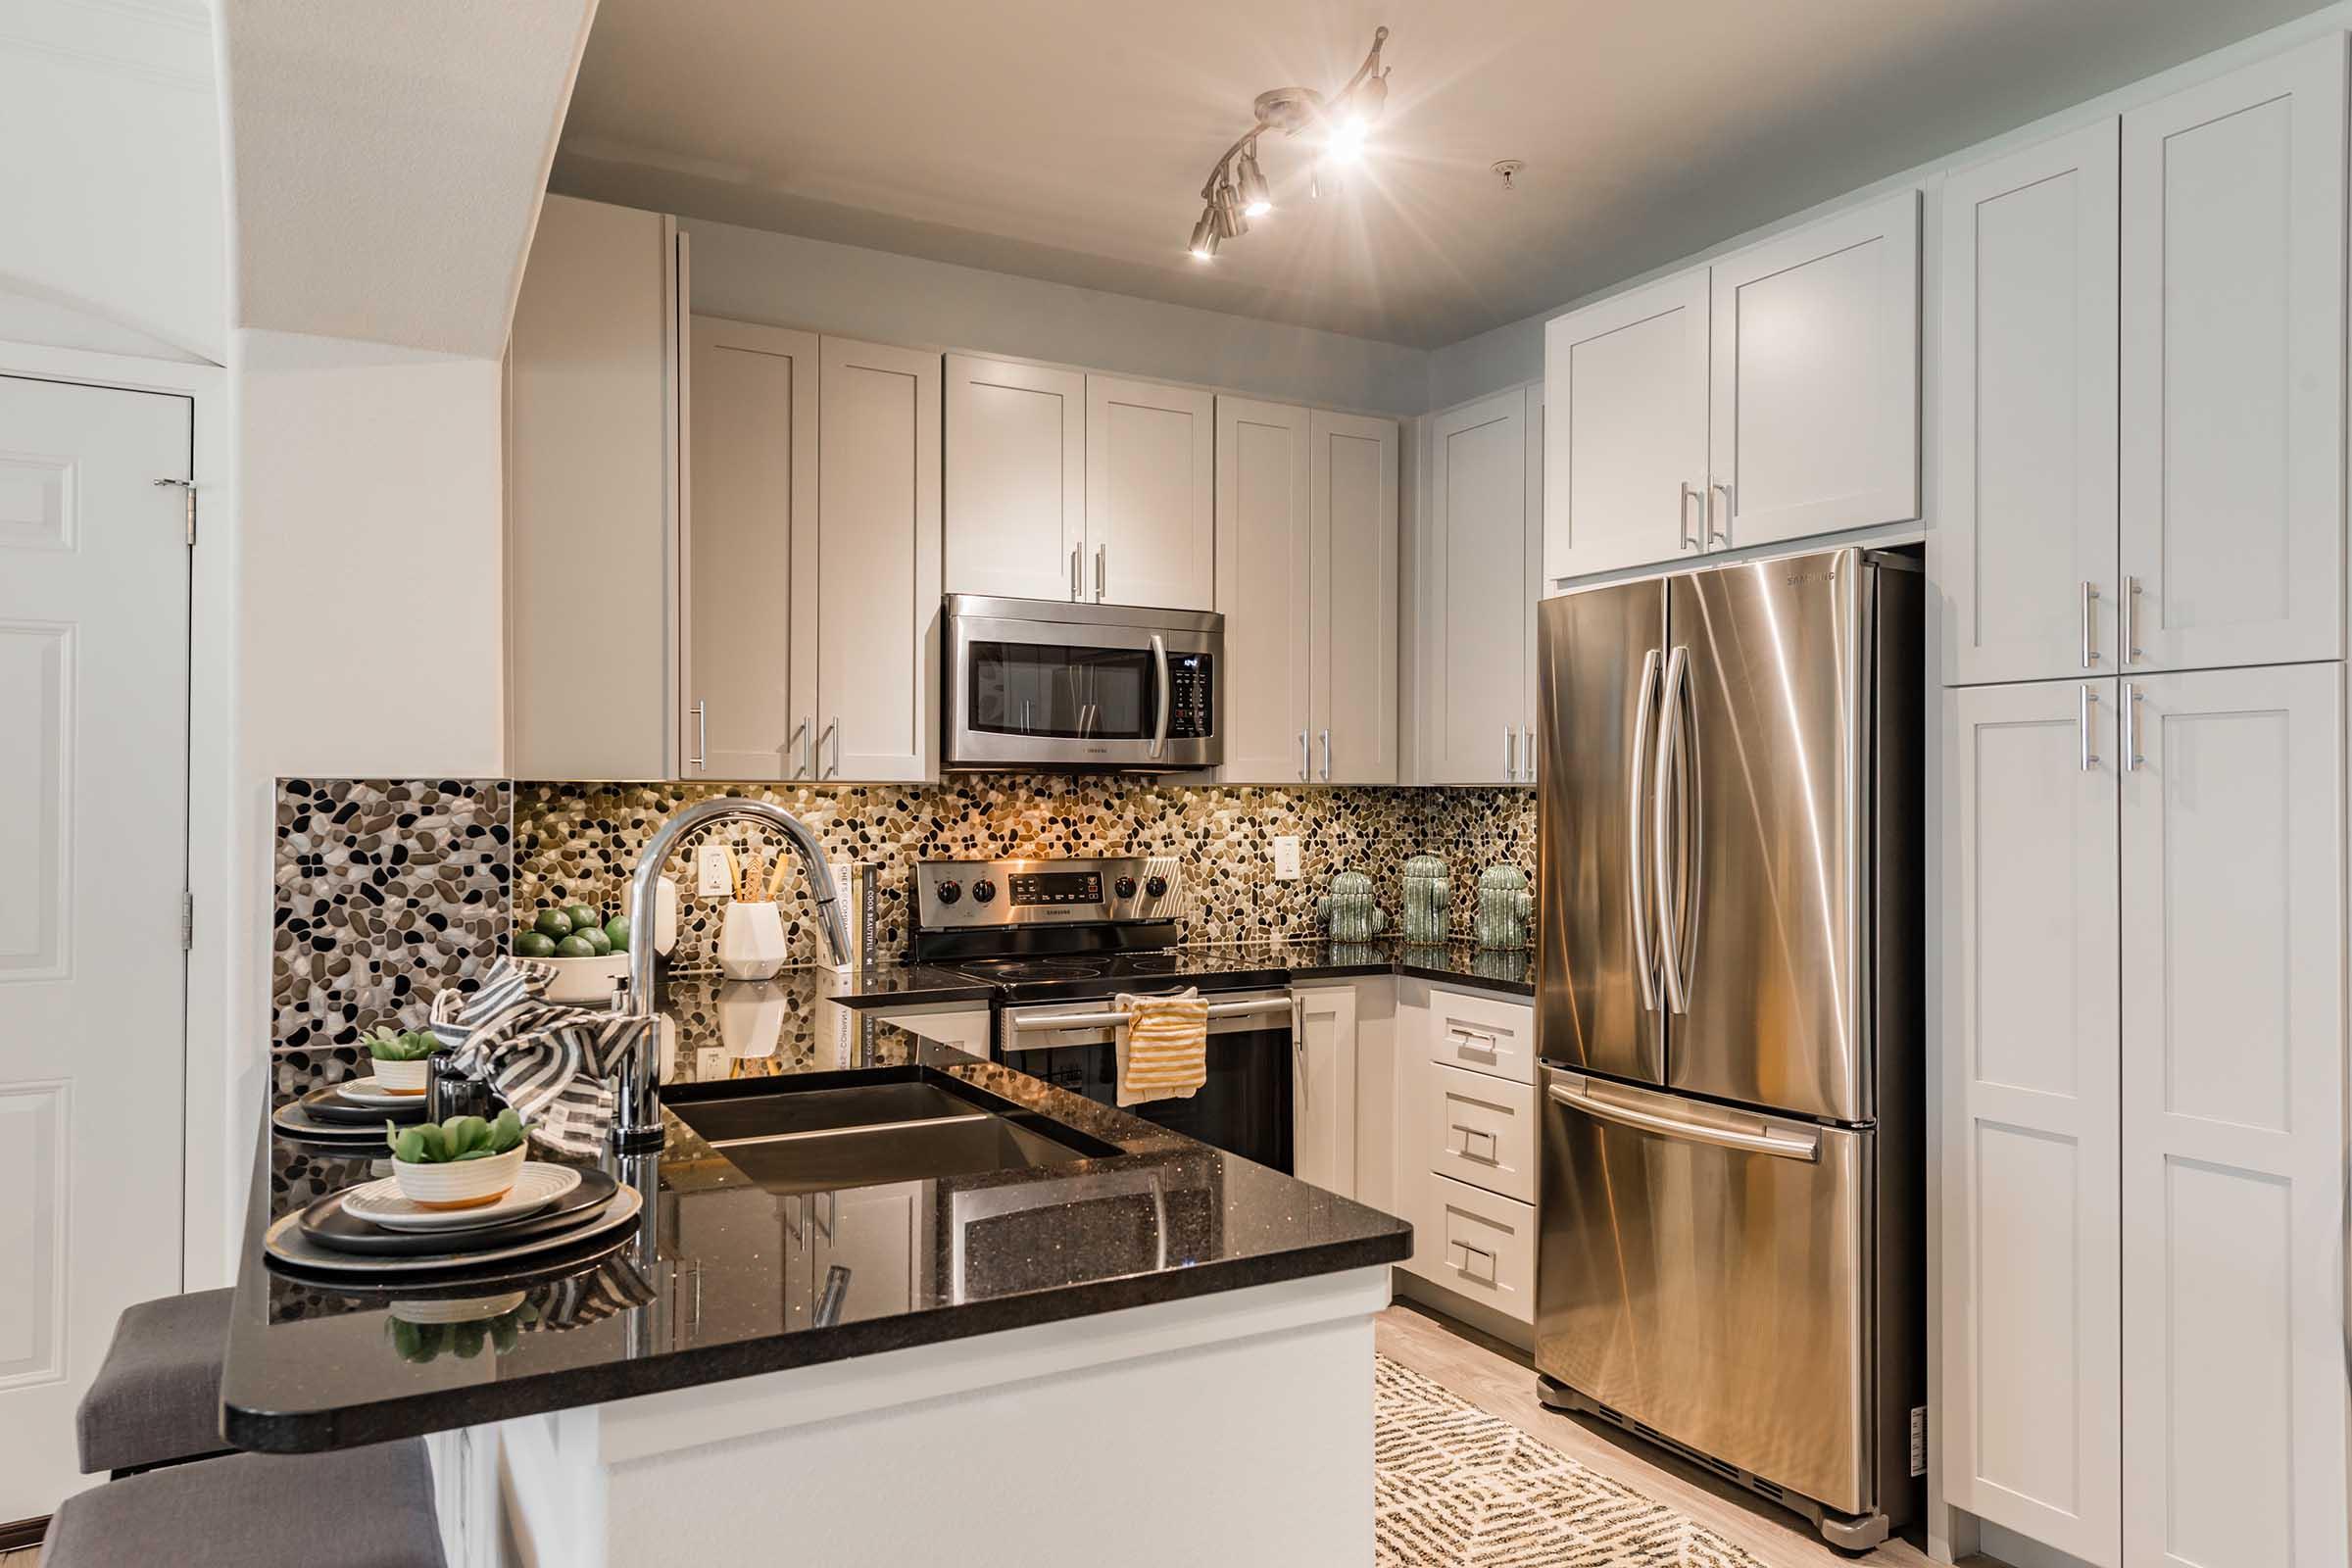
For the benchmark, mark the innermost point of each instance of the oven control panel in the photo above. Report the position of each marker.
(969, 894)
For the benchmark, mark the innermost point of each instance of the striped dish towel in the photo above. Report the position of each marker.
(550, 1063)
(1163, 1046)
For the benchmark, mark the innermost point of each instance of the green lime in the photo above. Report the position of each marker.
(597, 939)
(617, 932)
(582, 917)
(533, 944)
(554, 924)
(576, 947)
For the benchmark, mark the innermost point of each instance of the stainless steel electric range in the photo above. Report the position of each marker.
(1063, 940)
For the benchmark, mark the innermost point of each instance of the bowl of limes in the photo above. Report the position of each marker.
(588, 950)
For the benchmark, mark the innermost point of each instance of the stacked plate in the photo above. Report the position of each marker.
(370, 1233)
(352, 1114)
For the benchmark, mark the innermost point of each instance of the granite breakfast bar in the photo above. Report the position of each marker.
(1098, 1332)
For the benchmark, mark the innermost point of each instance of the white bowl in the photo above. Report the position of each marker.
(459, 1183)
(585, 982)
(402, 1076)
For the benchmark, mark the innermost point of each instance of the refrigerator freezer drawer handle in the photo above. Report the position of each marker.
(1783, 1145)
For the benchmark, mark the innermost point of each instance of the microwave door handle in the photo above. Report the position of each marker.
(1160, 662)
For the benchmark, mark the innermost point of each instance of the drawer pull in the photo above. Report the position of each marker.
(1471, 1040)
(1475, 1262)
(1471, 1139)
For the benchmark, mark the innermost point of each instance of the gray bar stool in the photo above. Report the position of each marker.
(157, 1397)
(367, 1507)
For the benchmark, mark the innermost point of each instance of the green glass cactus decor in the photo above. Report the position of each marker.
(1348, 912)
(1427, 899)
(1504, 909)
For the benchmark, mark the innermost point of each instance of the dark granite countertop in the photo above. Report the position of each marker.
(723, 1277)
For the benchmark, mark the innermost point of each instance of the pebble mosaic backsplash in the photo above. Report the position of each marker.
(389, 891)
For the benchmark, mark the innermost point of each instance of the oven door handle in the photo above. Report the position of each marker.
(1114, 1018)
(1167, 698)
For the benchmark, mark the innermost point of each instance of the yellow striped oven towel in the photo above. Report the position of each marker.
(1163, 1046)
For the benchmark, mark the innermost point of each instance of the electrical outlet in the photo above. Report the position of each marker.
(1286, 859)
(711, 880)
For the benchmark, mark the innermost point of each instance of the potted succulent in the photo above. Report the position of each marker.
(463, 1162)
(401, 1057)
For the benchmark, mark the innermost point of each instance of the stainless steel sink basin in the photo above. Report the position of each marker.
(821, 1139)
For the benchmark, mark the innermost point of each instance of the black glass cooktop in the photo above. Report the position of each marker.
(1077, 975)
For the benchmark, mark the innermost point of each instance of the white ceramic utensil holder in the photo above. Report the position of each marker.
(751, 942)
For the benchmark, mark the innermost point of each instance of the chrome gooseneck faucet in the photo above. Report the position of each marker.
(637, 1119)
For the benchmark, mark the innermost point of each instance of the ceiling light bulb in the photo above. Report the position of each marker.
(1257, 200)
(1346, 139)
(1225, 209)
(1205, 239)
(1372, 97)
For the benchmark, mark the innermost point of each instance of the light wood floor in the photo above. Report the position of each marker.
(23, 1557)
(1499, 1380)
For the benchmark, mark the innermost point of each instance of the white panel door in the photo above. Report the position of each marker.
(1265, 550)
(1150, 494)
(2232, 883)
(1016, 497)
(1323, 1087)
(94, 859)
(754, 437)
(2233, 367)
(876, 652)
(1814, 422)
(2027, 531)
(1475, 629)
(2032, 1237)
(1355, 599)
(1627, 446)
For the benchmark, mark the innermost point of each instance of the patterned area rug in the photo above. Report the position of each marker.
(1456, 1488)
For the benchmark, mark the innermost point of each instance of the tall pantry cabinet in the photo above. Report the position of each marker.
(2141, 544)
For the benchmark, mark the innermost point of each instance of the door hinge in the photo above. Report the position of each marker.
(189, 487)
(187, 919)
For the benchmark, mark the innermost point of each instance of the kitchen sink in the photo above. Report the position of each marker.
(823, 1140)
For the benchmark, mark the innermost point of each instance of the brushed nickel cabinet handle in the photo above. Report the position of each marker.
(1681, 526)
(1327, 757)
(2089, 701)
(2131, 649)
(1077, 574)
(2131, 722)
(2090, 598)
(1722, 535)
(1100, 552)
(701, 737)
(1510, 752)
(1306, 769)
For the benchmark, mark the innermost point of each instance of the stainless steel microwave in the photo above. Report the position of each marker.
(1038, 683)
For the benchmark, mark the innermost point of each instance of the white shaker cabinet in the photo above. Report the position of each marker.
(2026, 527)
(1265, 550)
(1626, 445)
(2031, 1333)
(1353, 499)
(865, 621)
(1150, 494)
(1813, 422)
(1015, 481)
(2232, 943)
(1476, 619)
(752, 520)
(2233, 362)
(1323, 1087)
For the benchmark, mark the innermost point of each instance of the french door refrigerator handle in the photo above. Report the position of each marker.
(1670, 921)
(1645, 703)
(1781, 1145)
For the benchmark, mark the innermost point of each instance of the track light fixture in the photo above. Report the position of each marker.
(1236, 189)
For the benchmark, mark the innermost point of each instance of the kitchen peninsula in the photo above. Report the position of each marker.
(1183, 1336)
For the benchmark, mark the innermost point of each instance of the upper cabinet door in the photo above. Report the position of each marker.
(1475, 629)
(753, 448)
(2028, 400)
(1626, 446)
(1355, 599)
(877, 614)
(1015, 478)
(2032, 1238)
(1815, 418)
(2233, 898)
(1536, 427)
(1150, 494)
(1264, 562)
(2233, 367)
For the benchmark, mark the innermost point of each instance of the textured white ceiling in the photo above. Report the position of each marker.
(1068, 138)
(387, 161)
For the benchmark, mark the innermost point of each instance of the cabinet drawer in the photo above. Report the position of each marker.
(1493, 1035)
(1488, 1247)
(1482, 1130)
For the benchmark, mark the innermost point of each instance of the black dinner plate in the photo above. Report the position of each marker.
(294, 1120)
(329, 1107)
(288, 1250)
(326, 1223)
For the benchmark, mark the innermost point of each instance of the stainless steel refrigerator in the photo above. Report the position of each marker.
(1727, 1007)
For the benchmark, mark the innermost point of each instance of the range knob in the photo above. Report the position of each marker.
(1156, 886)
(948, 892)
(984, 891)
(1125, 887)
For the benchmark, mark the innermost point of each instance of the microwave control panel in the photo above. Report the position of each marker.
(1190, 684)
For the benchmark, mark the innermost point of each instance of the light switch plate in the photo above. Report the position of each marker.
(1286, 859)
(711, 878)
